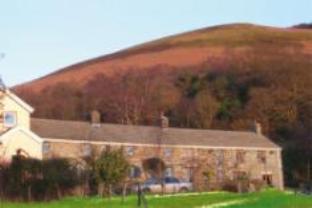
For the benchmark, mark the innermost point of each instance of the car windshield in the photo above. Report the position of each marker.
(166, 180)
(171, 180)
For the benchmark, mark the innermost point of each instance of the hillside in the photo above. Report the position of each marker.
(214, 45)
(222, 77)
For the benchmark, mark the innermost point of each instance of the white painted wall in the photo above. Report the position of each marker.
(20, 139)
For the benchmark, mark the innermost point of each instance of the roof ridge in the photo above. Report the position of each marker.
(102, 124)
(149, 126)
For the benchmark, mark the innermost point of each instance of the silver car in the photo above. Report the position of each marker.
(171, 185)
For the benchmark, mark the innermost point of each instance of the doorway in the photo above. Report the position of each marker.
(267, 179)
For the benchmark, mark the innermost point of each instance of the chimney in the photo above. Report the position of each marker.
(257, 128)
(95, 117)
(164, 120)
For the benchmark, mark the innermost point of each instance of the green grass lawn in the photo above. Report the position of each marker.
(265, 199)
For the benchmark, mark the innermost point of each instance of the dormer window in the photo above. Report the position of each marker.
(9, 119)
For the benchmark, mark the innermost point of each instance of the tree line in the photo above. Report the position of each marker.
(277, 92)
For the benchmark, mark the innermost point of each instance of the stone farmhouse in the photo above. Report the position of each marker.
(187, 153)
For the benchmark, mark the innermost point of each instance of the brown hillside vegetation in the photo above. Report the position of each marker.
(205, 46)
(221, 77)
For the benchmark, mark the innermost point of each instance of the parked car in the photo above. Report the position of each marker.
(171, 185)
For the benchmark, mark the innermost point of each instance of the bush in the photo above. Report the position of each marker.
(59, 176)
(111, 170)
(237, 186)
(230, 186)
(31, 179)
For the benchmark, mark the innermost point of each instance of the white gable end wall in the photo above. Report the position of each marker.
(11, 103)
(23, 116)
(20, 139)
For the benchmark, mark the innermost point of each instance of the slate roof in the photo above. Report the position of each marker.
(76, 130)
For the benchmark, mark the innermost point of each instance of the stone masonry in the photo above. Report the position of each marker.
(188, 163)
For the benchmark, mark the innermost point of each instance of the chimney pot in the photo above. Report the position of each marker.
(257, 128)
(164, 121)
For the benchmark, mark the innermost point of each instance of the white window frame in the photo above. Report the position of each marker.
(167, 152)
(87, 150)
(130, 150)
(45, 148)
(12, 113)
(169, 172)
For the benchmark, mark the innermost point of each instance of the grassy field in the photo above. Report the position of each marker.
(266, 199)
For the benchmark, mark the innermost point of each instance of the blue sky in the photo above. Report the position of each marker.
(39, 37)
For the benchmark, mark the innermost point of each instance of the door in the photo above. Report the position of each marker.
(268, 179)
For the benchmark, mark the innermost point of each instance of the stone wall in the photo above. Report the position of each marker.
(202, 166)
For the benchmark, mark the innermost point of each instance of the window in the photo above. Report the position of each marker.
(169, 172)
(45, 148)
(219, 154)
(168, 152)
(87, 150)
(130, 151)
(261, 156)
(10, 119)
(240, 157)
(134, 172)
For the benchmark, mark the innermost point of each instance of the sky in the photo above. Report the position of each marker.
(38, 37)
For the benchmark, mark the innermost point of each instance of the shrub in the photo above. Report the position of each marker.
(59, 176)
(230, 186)
(31, 179)
(111, 169)
(239, 186)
